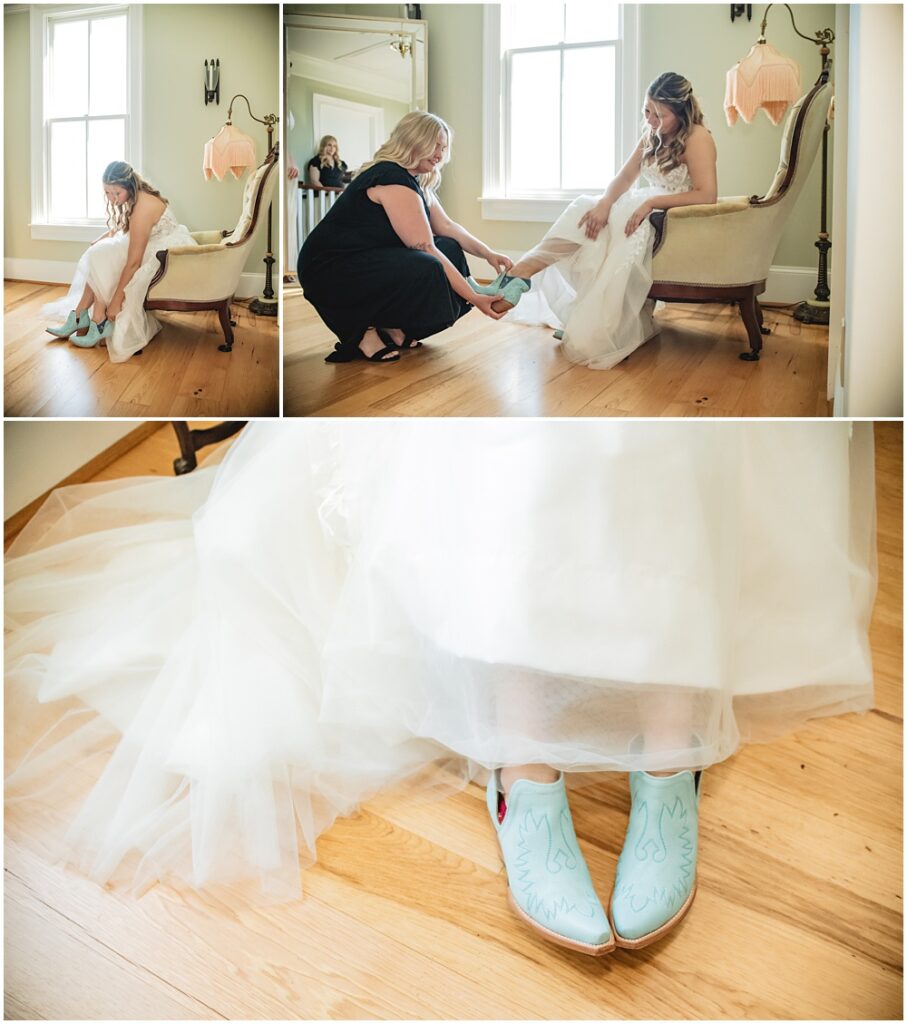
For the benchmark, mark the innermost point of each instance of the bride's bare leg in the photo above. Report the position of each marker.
(669, 726)
(100, 311)
(532, 772)
(548, 251)
(86, 300)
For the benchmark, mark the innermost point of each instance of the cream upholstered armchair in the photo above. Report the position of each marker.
(722, 252)
(205, 276)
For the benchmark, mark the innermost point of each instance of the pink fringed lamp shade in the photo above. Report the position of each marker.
(764, 78)
(230, 150)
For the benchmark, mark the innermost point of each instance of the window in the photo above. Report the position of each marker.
(85, 113)
(561, 103)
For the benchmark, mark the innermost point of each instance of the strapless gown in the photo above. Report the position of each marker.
(101, 266)
(341, 605)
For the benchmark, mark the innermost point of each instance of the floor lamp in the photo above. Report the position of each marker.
(234, 151)
(766, 79)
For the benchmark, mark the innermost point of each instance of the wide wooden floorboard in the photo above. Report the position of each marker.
(180, 373)
(483, 368)
(798, 912)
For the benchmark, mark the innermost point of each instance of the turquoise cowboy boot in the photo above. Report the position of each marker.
(504, 287)
(74, 322)
(549, 885)
(656, 871)
(96, 333)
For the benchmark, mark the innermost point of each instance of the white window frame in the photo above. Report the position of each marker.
(86, 229)
(496, 204)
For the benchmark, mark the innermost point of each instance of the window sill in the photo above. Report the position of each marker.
(540, 210)
(67, 232)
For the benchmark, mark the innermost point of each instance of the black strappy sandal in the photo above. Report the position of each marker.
(348, 353)
(407, 342)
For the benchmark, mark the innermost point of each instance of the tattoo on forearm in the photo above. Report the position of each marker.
(424, 246)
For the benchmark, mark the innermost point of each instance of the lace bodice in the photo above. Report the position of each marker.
(676, 180)
(166, 224)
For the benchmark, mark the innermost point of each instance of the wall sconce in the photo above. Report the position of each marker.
(738, 10)
(212, 81)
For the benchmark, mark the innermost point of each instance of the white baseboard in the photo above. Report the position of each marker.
(49, 271)
(784, 285)
(790, 284)
(61, 272)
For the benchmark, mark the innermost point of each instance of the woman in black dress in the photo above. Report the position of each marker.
(386, 266)
(327, 168)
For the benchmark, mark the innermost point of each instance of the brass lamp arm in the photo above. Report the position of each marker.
(268, 121)
(824, 36)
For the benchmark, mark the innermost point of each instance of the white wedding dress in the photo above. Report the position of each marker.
(101, 266)
(341, 605)
(598, 294)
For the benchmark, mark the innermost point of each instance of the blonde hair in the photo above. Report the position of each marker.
(676, 93)
(122, 175)
(414, 138)
(322, 159)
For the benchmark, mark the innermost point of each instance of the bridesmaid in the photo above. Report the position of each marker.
(386, 266)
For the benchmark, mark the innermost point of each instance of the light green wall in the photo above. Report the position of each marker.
(697, 40)
(177, 39)
(302, 142)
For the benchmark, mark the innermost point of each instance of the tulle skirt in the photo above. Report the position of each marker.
(342, 605)
(599, 294)
(100, 267)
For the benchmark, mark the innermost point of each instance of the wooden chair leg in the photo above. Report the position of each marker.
(227, 325)
(749, 311)
(763, 329)
(191, 441)
(187, 460)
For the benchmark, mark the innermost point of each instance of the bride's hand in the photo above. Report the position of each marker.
(483, 304)
(499, 261)
(113, 309)
(594, 220)
(638, 216)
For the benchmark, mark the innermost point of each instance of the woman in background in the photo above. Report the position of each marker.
(327, 168)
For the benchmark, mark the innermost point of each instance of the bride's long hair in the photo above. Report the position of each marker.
(414, 137)
(125, 176)
(676, 93)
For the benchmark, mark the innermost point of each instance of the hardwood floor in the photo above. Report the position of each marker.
(180, 373)
(798, 912)
(483, 368)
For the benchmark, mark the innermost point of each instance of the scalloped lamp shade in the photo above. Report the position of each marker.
(764, 79)
(229, 151)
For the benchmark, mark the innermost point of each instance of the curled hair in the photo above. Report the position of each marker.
(327, 161)
(676, 93)
(122, 175)
(414, 138)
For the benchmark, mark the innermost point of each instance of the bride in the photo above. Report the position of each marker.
(591, 273)
(261, 645)
(114, 273)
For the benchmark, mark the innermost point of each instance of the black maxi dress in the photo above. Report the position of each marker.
(357, 273)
